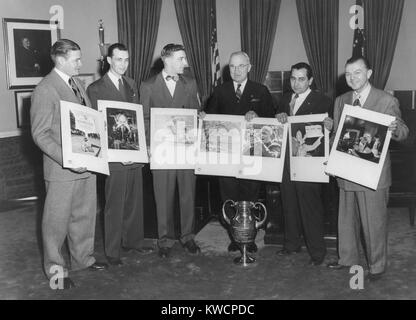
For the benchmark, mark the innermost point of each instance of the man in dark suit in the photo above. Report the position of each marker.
(123, 212)
(70, 204)
(360, 206)
(302, 204)
(240, 96)
(171, 89)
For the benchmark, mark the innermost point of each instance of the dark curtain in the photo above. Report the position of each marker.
(381, 24)
(318, 21)
(138, 25)
(258, 23)
(195, 26)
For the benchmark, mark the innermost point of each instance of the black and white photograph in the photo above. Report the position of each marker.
(364, 139)
(83, 138)
(309, 148)
(207, 159)
(173, 138)
(308, 139)
(360, 146)
(28, 44)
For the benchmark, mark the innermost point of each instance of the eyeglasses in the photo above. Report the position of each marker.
(239, 67)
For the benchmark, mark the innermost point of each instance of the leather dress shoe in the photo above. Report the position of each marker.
(336, 266)
(164, 252)
(114, 261)
(68, 283)
(191, 247)
(285, 252)
(314, 262)
(98, 266)
(375, 276)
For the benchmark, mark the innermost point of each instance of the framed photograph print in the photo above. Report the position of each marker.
(173, 137)
(85, 79)
(27, 50)
(219, 145)
(309, 148)
(84, 142)
(23, 103)
(360, 146)
(263, 150)
(126, 138)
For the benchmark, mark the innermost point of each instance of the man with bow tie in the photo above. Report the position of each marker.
(172, 89)
(123, 211)
(360, 206)
(70, 204)
(240, 96)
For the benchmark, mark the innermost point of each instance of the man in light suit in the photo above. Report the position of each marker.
(302, 203)
(241, 96)
(171, 89)
(358, 205)
(70, 204)
(123, 212)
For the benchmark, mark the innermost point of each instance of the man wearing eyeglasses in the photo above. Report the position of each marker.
(240, 96)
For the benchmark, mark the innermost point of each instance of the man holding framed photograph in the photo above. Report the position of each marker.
(123, 211)
(360, 206)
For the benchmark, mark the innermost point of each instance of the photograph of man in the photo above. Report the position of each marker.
(123, 211)
(172, 89)
(302, 204)
(361, 208)
(27, 59)
(70, 205)
(240, 96)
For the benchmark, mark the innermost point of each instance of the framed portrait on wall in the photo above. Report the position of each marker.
(23, 103)
(126, 138)
(27, 46)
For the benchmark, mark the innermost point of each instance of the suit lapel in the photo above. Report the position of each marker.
(164, 88)
(111, 88)
(306, 104)
(371, 101)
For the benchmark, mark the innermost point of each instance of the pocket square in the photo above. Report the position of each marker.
(255, 100)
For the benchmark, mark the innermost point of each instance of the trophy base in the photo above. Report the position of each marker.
(245, 259)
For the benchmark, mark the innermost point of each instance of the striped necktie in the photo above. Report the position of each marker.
(238, 92)
(292, 103)
(357, 102)
(76, 91)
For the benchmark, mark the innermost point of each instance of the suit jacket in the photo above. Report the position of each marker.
(256, 97)
(45, 115)
(104, 89)
(155, 94)
(379, 101)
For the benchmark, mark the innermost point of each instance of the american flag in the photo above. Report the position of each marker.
(359, 36)
(215, 57)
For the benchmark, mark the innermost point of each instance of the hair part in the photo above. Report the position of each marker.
(170, 48)
(355, 59)
(303, 65)
(114, 46)
(61, 48)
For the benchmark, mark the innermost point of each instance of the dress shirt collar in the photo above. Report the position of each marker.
(243, 85)
(64, 76)
(114, 78)
(363, 95)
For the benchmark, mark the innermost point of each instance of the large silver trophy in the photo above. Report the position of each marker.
(244, 225)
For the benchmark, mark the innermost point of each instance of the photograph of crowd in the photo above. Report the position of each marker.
(360, 138)
(122, 129)
(263, 140)
(308, 139)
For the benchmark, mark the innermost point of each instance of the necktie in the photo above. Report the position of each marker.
(357, 102)
(174, 78)
(76, 91)
(238, 92)
(123, 90)
(292, 103)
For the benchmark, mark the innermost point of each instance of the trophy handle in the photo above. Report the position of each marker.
(260, 223)
(223, 210)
